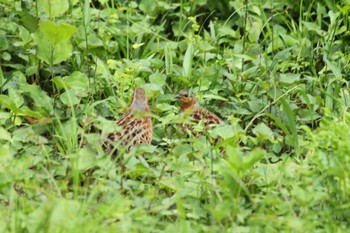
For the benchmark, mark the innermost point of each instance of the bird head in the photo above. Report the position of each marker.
(187, 101)
(139, 100)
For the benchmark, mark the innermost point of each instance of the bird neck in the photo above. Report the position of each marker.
(138, 109)
(189, 105)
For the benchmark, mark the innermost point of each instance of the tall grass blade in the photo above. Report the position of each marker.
(290, 122)
(188, 59)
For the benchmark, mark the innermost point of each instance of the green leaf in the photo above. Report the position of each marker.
(57, 33)
(188, 59)
(6, 154)
(144, 148)
(40, 97)
(5, 115)
(279, 123)
(311, 26)
(168, 53)
(86, 159)
(213, 97)
(148, 6)
(262, 130)
(6, 56)
(233, 157)
(329, 102)
(49, 53)
(29, 21)
(25, 111)
(289, 78)
(255, 31)
(69, 98)
(15, 96)
(5, 135)
(77, 81)
(308, 115)
(165, 107)
(3, 42)
(86, 18)
(1, 80)
(250, 159)
(8, 103)
(62, 51)
(31, 70)
(290, 122)
(283, 55)
(256, 105)
(59, 83)
(205, 46)
(58, 215)
(182, 149)
(137, 45)
(44, 47)
(334, 68)
(222, 131)
(53, 8)
(158, 79)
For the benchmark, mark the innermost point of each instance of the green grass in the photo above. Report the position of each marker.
(277, 72)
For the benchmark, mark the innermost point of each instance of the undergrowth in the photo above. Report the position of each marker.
(277, 72)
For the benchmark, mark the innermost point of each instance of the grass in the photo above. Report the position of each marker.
(275, 71)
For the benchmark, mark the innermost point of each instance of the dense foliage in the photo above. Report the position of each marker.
(276, 71)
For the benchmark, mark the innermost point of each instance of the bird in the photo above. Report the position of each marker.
(189, 105)
(135, 123)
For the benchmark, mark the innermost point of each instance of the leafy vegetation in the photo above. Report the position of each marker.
(276, 71)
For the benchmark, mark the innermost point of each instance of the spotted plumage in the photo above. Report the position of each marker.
(135, 123)
(189, 105)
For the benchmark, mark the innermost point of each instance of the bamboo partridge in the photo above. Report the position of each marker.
(190, 105)
(136, 124)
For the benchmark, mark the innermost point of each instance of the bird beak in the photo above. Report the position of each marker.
(178, 97)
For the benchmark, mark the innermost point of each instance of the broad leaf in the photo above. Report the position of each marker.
(40, 97)
(53, 8)
(57, 33)
(49, 53)
(289, 78)
(262, 130)
(77, 81)
(3, 42)
(69, 98)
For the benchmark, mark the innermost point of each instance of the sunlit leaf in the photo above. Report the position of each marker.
(86, 159)
(77, 81)
(57, 33)
(182, 149)
(289, 78)
(52, 54)
(5, 135)
(40, 97)
(86, 18)
(69, 98)
(53, 8)
(158, 79)
(262, 130)
(148, 5)
(187, 63)
(3, 42)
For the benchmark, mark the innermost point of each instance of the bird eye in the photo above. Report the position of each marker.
(185, 95)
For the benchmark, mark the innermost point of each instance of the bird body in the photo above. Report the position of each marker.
(135, 123)
(190, 105)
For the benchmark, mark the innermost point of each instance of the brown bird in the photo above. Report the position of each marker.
(189, 105)
(136, 124)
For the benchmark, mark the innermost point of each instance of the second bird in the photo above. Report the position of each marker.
(136, 124)
(190, 105)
